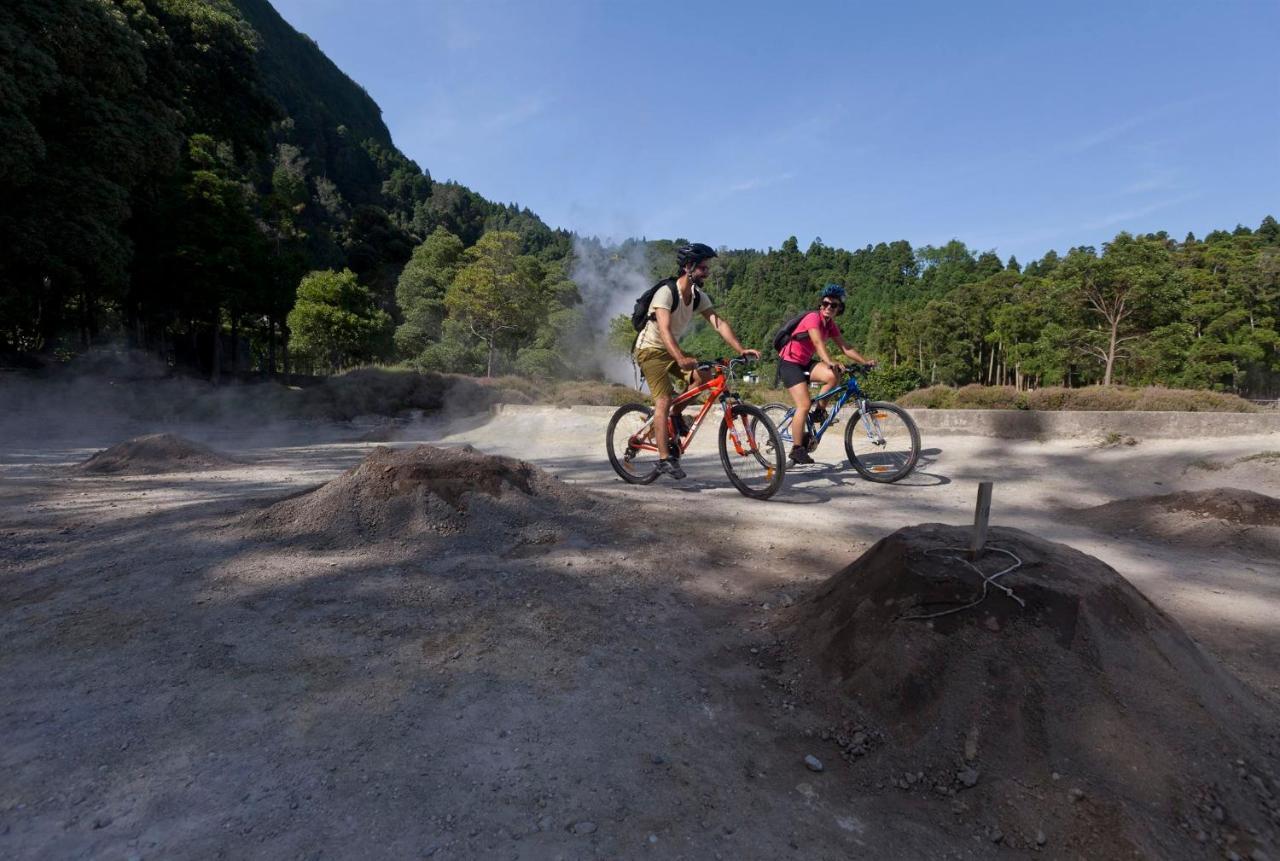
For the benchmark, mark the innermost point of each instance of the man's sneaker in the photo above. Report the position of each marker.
(671, 467)
(818, 414)
(799, 455)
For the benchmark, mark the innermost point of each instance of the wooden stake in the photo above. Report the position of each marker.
(980, 516)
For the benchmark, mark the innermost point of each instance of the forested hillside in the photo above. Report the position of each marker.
(173, 168)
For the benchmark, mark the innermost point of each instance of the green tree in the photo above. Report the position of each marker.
(421, 290)
(336, 323)
(496, 292)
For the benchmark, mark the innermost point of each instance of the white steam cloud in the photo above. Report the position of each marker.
(609, 279)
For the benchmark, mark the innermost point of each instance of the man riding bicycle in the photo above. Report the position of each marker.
(657, 349)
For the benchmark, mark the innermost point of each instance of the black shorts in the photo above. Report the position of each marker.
(791, 373)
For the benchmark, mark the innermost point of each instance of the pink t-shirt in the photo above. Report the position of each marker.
(800, 349)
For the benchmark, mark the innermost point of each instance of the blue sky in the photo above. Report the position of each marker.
(1014, 126)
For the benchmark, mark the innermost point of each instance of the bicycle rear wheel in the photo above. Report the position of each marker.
(751, 451)
(780, 415)
(883, 444)
(632, 451)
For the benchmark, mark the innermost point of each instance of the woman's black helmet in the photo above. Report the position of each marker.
(693, 254)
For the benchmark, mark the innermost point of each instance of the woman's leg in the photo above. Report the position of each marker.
(821, 373)
(800, 397)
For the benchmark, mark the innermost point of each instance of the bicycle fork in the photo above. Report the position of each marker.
(873, 431)
(726, 415)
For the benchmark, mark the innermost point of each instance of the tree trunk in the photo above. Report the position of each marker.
(489, 370)
(271, 347)
(1111, 354)
(84, 320)
(235, 344)
(991, 366)
(216, 375)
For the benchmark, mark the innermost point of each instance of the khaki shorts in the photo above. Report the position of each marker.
(658, 368)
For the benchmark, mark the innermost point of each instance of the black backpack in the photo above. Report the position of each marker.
(640, 314)
(787, 332)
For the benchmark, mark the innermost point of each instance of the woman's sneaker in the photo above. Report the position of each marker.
(799, 455)
(671, 467)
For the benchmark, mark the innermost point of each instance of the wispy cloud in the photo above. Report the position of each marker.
(1158, 181)
(760, 182)
(1107, 134)
(514, 115)
(1129, 214)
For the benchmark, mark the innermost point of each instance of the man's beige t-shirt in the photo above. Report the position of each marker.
(681, 316)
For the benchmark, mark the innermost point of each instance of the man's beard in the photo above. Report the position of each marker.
(696, 280)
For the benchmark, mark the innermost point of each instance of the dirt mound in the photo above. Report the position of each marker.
(1213, 517)
(1086, 721)
(155, 453)
(426, 490)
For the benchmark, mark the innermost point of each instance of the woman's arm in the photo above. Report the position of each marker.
(851, 352)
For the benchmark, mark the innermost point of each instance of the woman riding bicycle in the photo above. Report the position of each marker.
(797, 366)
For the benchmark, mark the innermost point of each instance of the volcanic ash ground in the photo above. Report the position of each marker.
(490, 503)
(1087, 716)
(1215, 517)
(155, 453)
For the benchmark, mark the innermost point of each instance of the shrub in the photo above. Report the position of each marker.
(380, 391)
(932, 398)
(976, 397)
(1182, 400)
(889, 384)
(596, 394)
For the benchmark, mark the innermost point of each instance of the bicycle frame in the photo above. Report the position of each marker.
(719, 387)
(848, 392)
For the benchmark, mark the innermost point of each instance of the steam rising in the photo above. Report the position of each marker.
(609, 279)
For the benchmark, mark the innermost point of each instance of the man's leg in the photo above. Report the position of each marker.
(657, 367)
(696, 378)
(661, 408)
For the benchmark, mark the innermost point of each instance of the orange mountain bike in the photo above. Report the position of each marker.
(750, 449)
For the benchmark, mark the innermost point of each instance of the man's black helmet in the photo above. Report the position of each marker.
(693, 254)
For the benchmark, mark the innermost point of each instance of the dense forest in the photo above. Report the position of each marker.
(173, 170)
(1143, 310)
(198, 179)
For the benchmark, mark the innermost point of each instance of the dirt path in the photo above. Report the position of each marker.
(173, 687)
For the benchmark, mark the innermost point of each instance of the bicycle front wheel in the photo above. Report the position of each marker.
(629, 441)
(751, 451)
(883, 444)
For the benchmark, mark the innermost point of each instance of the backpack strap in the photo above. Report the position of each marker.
(675, 294)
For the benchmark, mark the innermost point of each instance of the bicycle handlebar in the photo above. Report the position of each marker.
(721, 362)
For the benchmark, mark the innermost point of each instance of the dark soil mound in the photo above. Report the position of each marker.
(154, 453)
(1087, 717)
(1221, 515)
(426, 490)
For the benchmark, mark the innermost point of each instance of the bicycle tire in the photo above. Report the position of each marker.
(890, 458)
(758, 471)
(780, 415)
(627, 421)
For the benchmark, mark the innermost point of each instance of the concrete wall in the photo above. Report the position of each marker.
(1029, 424)
(1032, 424)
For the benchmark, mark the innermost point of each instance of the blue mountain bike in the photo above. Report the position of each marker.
(881, 439)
